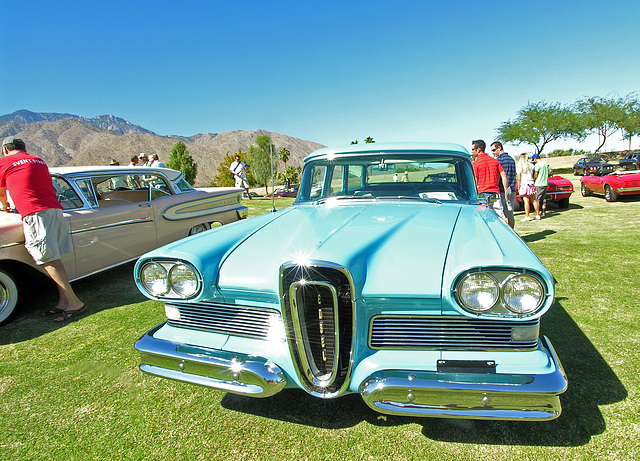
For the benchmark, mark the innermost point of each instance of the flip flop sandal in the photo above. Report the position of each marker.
(52, 311)
(68, 315)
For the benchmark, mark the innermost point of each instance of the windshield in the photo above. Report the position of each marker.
(404, 175)
(594, 160)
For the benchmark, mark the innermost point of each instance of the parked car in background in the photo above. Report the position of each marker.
(631, 161)
(558, 192)
(285, 192)
(611, 184)
(114, 214)
(589, 165)
(253, 194)
(413, 294)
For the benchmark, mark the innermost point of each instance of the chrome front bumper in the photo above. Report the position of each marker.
(467, 395)
(237, 373)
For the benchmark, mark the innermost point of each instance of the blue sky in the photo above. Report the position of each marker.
(330, 72)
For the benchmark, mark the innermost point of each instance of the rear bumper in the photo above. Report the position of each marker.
(468, 395)
(237, 373)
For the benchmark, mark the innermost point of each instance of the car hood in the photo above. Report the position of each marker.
(388, 248)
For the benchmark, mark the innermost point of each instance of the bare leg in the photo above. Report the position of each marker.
(68, 299)
(527, 205)
(248, 193)
(536, 205)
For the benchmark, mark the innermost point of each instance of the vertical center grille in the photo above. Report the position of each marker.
(318, 313)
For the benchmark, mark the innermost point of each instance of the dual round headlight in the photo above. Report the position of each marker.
(169, 279)
(520, 293)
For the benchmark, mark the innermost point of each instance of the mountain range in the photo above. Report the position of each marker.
(75, 140)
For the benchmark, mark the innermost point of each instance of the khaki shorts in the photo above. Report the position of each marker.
(46, 235)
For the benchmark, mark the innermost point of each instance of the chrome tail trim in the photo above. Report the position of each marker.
(238, 373)
(467, 395)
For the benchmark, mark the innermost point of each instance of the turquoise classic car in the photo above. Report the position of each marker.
(388, 277)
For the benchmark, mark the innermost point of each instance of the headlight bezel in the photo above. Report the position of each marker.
(503, 277)
(172, 292)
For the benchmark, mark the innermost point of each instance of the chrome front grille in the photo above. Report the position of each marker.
(318, 315)
(254, 322)
(405, 332)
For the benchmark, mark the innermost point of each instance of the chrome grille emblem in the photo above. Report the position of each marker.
(318, 312)
(315, 324)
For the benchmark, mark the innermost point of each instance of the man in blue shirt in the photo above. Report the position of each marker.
(508, 197)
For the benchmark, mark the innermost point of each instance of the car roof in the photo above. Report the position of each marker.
(374, 148)
(172, 175)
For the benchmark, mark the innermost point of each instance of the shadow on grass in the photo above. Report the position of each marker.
(591, 383)
(108, 289)
(538, 236)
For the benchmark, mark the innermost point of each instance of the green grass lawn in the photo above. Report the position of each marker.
(74, 391)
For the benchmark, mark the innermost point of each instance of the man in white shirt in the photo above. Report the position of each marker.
(238, 169)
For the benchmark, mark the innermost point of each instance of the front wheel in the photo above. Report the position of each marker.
(584, 191)
(8, 297)
(609, 194)
(563, 203)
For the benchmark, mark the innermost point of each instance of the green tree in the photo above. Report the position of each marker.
(181, 160)
(630, 123)
(260, 158)
(284, 155)
(601, 116)
(224, 177)
(540, 123)
(291, 175)
(368, 140)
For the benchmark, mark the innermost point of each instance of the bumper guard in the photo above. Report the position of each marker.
(232, 372)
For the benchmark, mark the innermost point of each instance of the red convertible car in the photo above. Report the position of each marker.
(611, 184)
(559, 191)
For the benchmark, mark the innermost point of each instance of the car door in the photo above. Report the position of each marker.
(114, 230)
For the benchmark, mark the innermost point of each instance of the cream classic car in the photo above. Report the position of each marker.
(115, 214)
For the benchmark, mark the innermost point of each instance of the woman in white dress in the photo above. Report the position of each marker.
(526, 188)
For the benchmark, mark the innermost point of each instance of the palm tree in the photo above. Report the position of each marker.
(284, 155)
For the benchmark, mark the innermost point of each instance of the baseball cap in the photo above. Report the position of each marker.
(535, 156)
(12, 140)
(142, 155)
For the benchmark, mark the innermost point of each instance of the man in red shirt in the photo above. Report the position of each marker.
(488, 173)
(27, 179)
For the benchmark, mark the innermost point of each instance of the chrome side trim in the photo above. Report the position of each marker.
(9, 245)
(629, 189)
(238, 373)
(467, 395)
(107, 226)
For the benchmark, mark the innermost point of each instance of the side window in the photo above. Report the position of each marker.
(336, 181)
(317, 182)
(159, 188)
(68, 198)
(355, 178)
(183, 185)
(86, 188)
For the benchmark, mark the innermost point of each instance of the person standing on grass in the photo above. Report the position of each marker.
(488, 173)
(527, 189)
(46, 234)
(541, 178)
(238, 169)
(507, 197)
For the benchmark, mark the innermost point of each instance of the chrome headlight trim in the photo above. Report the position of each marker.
(535, 291)
(154, 278)
(174, 286)
(183, 280)
(507, 303)
(478, 298)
